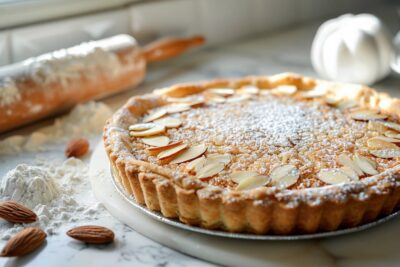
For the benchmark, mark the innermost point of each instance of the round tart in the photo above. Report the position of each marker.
(283, 154)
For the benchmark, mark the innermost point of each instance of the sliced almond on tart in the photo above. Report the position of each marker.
(141, 126)
(365, 164)
(197, 103)
(284, 90)
(238, 98)
(172, 152)
(284, 175)
(248, 90)
(155, 150)
(253, 182)
(238, 176)
(157, 141)
(350, 172)
(379, 143)
(348, 162)
(366, 115)
(169, 122)
(209, 170)
(223, 158)
(190, 154)
(385, 153)
(158, 129)
(392, 125)
(333, 176)
(225, 92)
(155, 115)
(377, 126)
(346, 104)
(196, 164)
(392, 134)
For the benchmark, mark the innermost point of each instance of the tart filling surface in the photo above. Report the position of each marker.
(281, 154)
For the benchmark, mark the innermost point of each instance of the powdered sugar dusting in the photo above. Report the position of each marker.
(8, 92)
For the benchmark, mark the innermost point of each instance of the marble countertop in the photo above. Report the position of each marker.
(272, 53)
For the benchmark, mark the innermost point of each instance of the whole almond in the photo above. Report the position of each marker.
(24, 242)
(77, 148)
(14, 212)
(92, 234)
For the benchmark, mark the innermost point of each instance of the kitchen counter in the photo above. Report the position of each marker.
(273, 53)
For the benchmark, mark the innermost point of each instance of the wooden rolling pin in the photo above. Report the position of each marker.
(53, 82)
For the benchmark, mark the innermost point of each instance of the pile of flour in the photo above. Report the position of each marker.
(57, 190)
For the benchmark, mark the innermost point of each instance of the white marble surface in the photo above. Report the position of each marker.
(273, 53)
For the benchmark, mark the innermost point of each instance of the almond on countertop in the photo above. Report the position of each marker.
(14, 212)
(77, 148)
(24, 242)
(92, 234)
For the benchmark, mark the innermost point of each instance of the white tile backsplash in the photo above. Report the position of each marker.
(39, 39)
(4, 48)
(149, 21)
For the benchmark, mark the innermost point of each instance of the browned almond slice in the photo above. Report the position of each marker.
(209, 170)
(284, 176)
(392, 134)
(366, 115)
(249, 90)
(155, 150)
(385, 153)
(332, 101)
(190, 154)
(157, 141)
(378, 143)
(223, 158)
(350, 172)
(238, 176)
(347, 162)
(155, 115)
(171, 109)
(392, 125)
(14, 212)
(253, 182)
(387, 139)
(365, 165)
(284, 90)
(92, 234)
(141, 126)
(333, 176)
(169, 153)
(376, 126)
(24, 242)
(169, 122)
(158, 129)
(217, 99)
(196, 164)
(238, 98)
(346, 104)
(222, 91)
(195, 104)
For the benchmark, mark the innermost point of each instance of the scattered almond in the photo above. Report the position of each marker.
(190, 154)
(346, 104)
(392, 134)
(196, 164)
(157, 141)
(238, 176)
(217, 99)
(392, 125)
(196, 104)
(141, 126)
(223, 158)
(176, 108)
(253, 182)
(222, 91)
(365, 164)
(155, 150)
(284, 90)
(169, 122)
(14, 212)
(158, 129)
(376, 126)
(155, 115)
(350, 172)
(171, 152)
(385, 153)
(366, 115)
(77, 148)
(348, 162)
(92, 234)
(238, 98)
(379, 143)
(249, 90)
(209, 170)
(284, 175)
(333, 176)
(24, 242)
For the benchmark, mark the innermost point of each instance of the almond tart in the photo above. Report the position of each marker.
(281, 154)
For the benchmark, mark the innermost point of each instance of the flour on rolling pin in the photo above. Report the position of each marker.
(53, 82)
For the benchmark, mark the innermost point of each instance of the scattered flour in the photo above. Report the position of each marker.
(59, 192)
(83, 120)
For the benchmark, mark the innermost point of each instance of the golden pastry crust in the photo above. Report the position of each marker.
(263, 210)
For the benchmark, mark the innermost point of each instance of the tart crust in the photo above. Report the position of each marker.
(264, 210)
